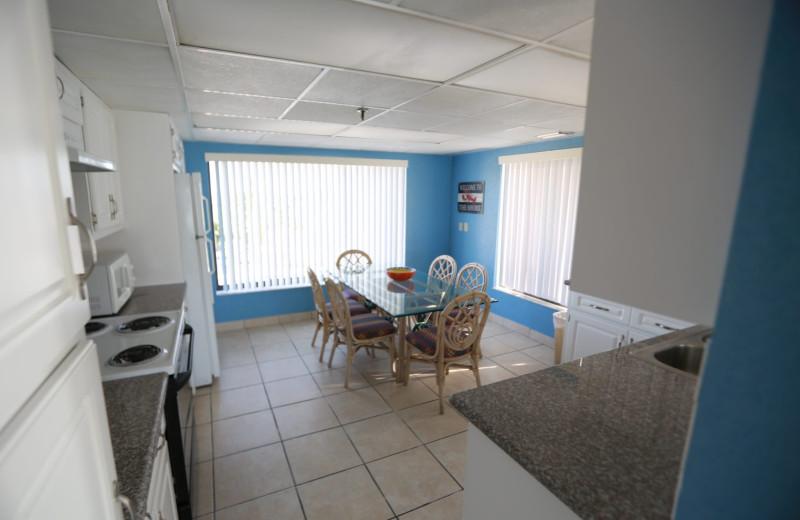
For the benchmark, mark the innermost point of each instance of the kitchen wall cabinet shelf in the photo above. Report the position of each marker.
(596, 325)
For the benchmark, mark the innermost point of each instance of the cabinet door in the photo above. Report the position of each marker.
(635, 336)
(41, 308)
(56, 459)
(592, 336)
(98, 126)
(161, 498)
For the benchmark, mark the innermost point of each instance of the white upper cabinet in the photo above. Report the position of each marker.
(68, 88)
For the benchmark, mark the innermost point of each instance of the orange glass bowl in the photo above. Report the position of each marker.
(401, 274)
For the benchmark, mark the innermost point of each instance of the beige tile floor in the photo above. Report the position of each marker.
(280, 438)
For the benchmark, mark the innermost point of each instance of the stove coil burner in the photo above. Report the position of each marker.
(136, 355)
(94, 326)
(144, 324)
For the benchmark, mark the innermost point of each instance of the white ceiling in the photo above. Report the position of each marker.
(442, 77)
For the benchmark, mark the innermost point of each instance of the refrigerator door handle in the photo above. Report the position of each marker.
(206, 215)
(211, 262)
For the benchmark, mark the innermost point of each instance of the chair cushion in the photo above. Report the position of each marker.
(355, 308)
(350, 294)
(424, 340)
(368, 326)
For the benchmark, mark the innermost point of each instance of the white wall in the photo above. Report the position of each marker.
(150, 236)
(671, 97)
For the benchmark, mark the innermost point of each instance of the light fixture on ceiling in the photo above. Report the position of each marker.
(553, 135)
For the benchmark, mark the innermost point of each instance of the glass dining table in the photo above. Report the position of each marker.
(418, 296)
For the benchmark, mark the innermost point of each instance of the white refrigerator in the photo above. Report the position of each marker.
(197, 251)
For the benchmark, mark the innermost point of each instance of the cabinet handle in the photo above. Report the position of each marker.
(60, 88)
(73, 220)
(162, 443)
(599, 308)
(665, 327)
(122, 499)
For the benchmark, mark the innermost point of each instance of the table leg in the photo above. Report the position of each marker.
(400, 366)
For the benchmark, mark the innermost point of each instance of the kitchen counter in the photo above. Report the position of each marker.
(152, 299)
(604, 434)
(135, 410)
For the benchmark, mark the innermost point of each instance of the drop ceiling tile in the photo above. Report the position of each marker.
(136, 97)
(327, 113)
(534, 19)
(468, 144)
(367, 90)
(520, 133)
(236, 104)
(459, 102)
(409, 120)
(530, 112)
(91, 57)
(539, 73)
(472, 127)
(224, 72)
(565, 124)
(227, 136)
(578, 39)
(338, 33)
(292, 140)
(266, 125)
(118, 18)
(394, 134)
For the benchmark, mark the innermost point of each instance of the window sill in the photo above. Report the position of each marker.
(528, 297)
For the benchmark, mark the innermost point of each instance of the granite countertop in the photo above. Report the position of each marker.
(135, 409)
(605, 434)
(151, 299)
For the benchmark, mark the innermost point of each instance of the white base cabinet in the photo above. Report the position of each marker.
(596, 325)
(161, 497)
(56, 459)
(496, 486)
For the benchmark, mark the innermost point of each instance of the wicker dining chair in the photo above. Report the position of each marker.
(452, 341)
(444, 268)
(353, 259)
(473, 276)
(324, 312)
(357, 332)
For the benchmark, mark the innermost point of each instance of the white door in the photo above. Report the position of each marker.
(55, 456)
(41, 310)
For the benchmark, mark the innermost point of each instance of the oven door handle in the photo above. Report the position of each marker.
(182, 378)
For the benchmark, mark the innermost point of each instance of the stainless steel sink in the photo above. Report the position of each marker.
(683, 355)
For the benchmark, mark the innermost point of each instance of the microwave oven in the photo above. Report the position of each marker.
(110, 284)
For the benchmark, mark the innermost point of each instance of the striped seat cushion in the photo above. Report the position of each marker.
(350, 294)
(355, 308)
(368, 326)
(424, 340)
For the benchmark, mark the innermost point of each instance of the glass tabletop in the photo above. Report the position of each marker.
(419, 295)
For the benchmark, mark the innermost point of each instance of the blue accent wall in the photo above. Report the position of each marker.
(479, 243)
(427, 220)
(744, 457)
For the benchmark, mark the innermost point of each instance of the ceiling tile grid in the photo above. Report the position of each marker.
(449, 76)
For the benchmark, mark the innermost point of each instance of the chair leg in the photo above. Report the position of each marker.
(350, 356)
(319, 326)
(476, 369)
(333, 348)
(440, 382)
(325, 333)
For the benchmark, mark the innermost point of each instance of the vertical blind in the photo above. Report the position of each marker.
(274, 216)
(537, 223)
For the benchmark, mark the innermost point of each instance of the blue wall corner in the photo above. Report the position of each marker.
(743, 460)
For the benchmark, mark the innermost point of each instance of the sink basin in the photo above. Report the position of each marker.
(683, 355)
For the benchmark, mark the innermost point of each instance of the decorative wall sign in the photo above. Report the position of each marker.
(470, 197)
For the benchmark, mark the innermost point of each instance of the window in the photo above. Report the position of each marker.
(539, 201)
(276, 215)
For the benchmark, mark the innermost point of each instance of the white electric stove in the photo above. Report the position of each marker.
(137, 345)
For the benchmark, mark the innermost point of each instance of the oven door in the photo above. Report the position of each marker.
(180, 430)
